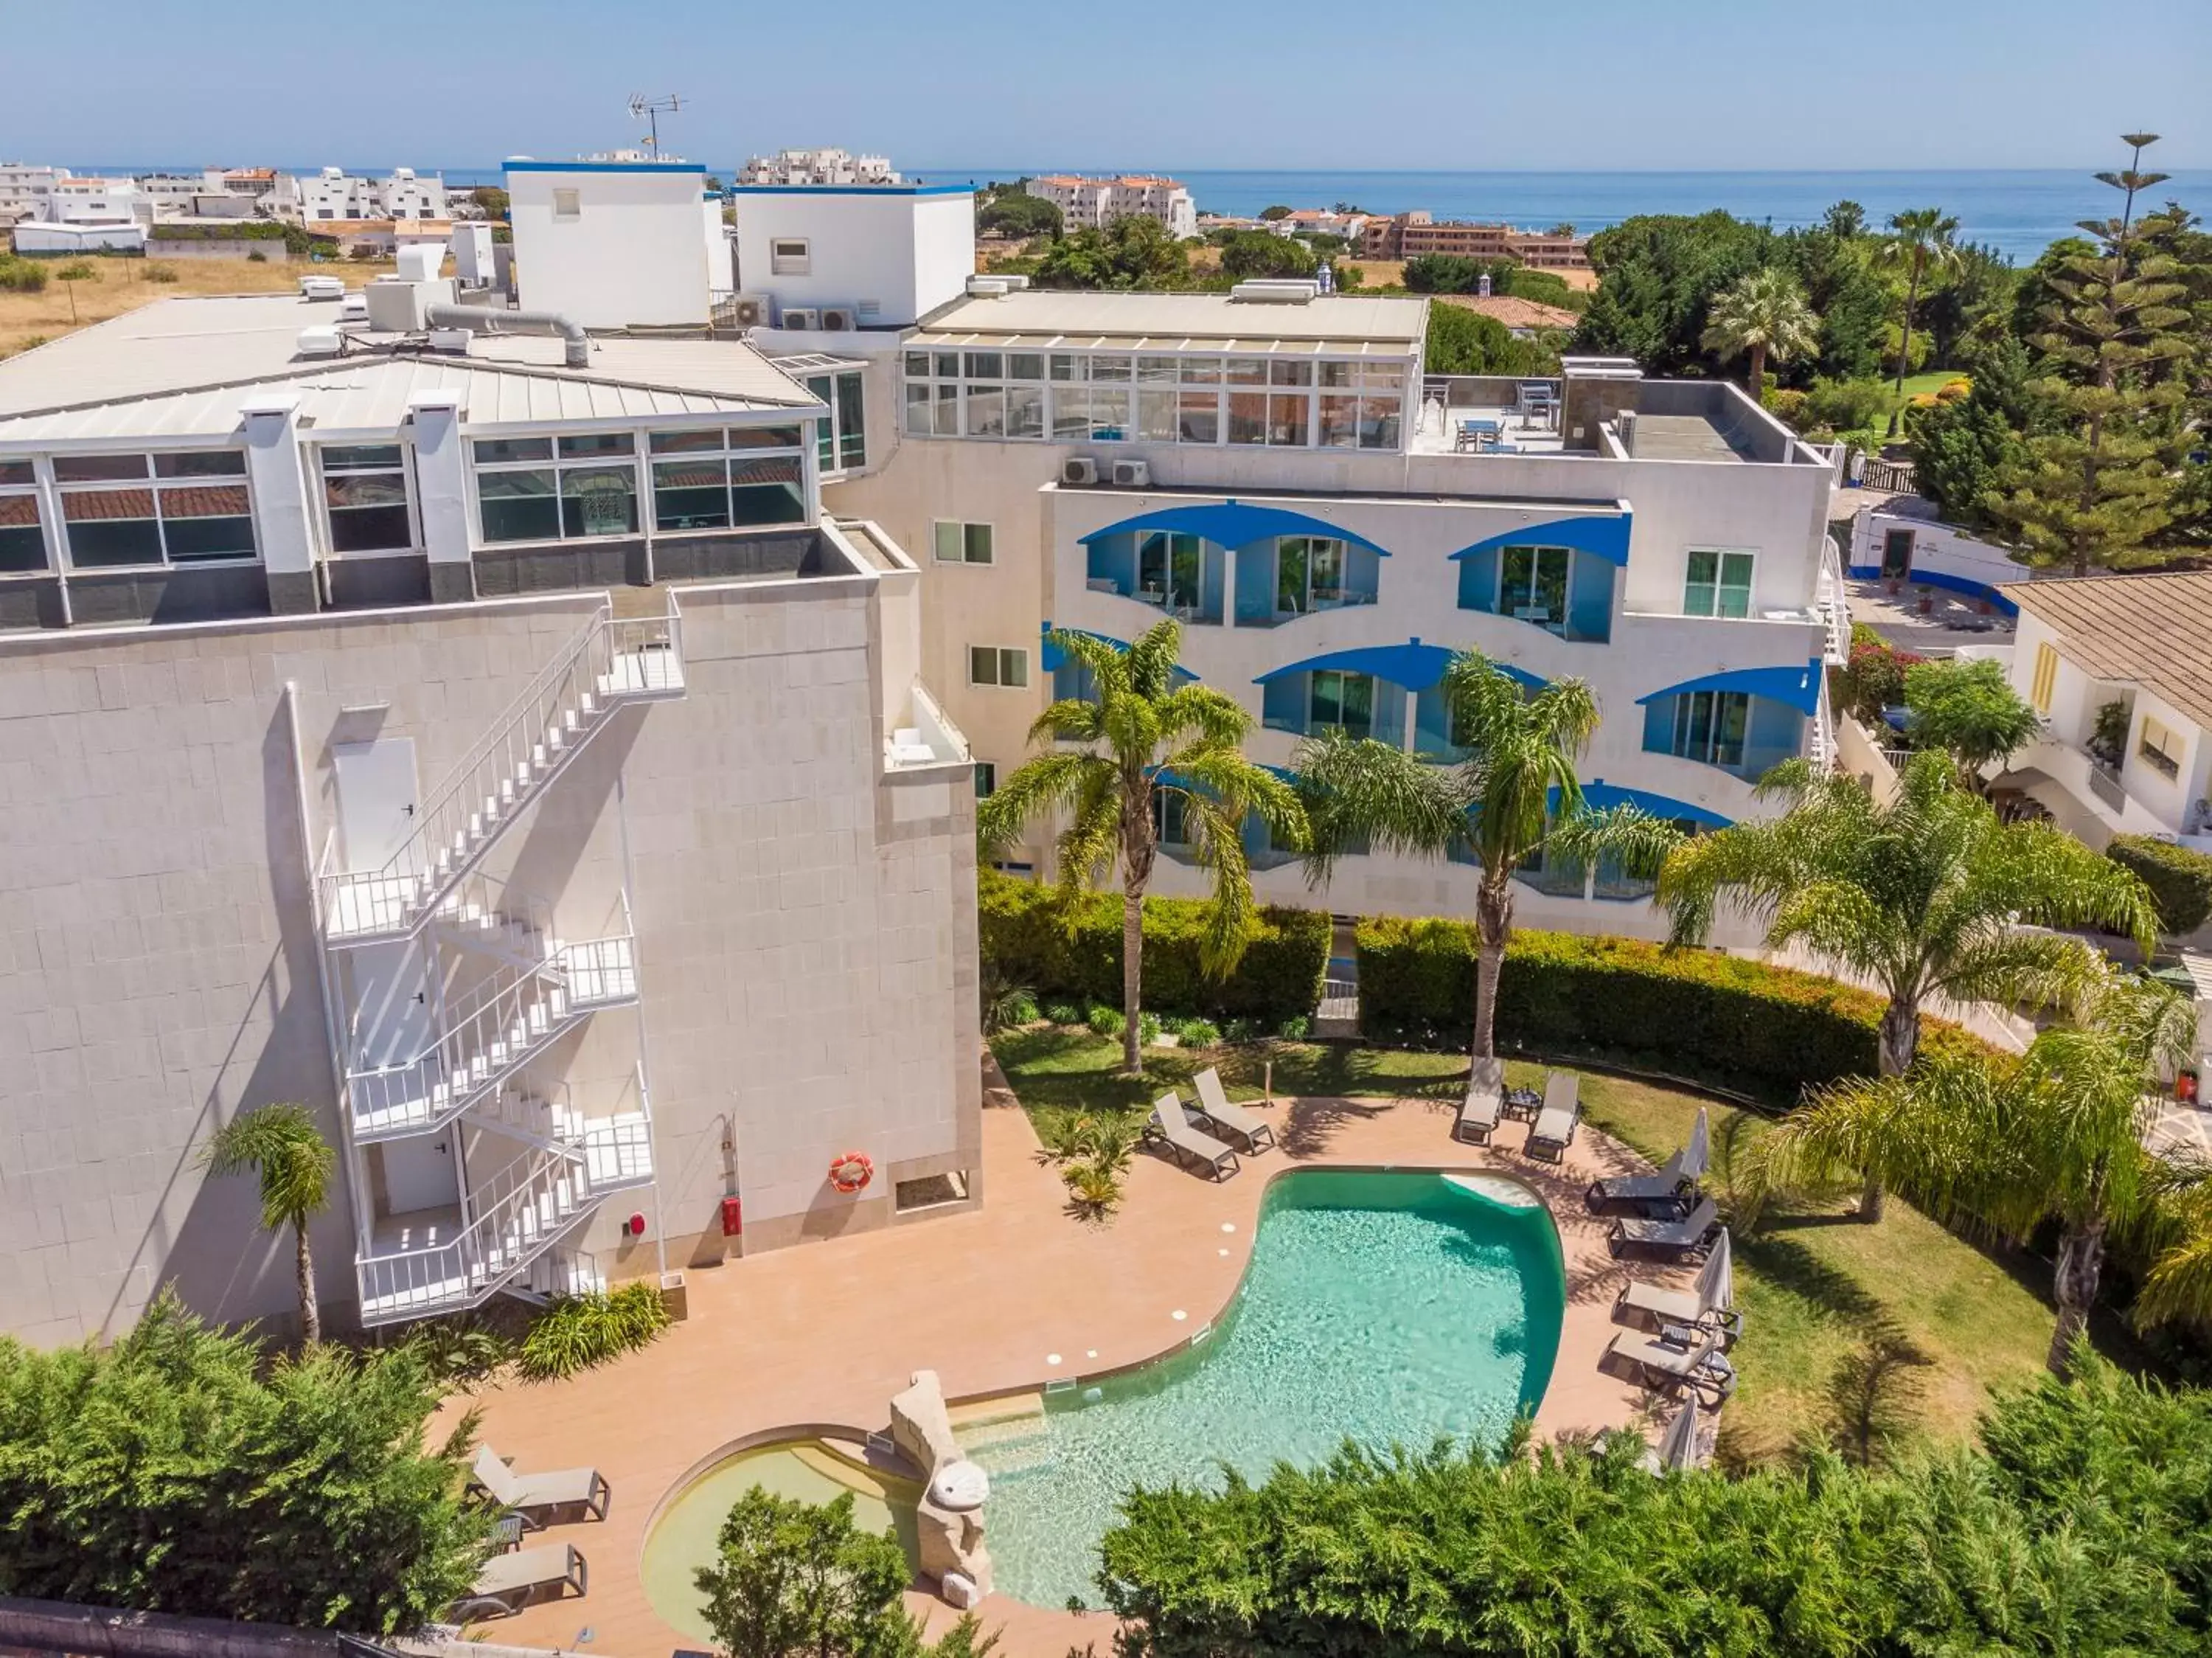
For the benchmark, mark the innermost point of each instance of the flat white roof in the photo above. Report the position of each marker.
(181, 366)
(1337, 323)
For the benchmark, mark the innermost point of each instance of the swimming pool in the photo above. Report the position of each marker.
(1378, 1306)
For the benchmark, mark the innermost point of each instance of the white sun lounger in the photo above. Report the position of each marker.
(532, 1497)
(1169, 1124)
(1681, 1237)
(1553, 1131)
(508, 1583)
(1485, 1102)
(1215, 1106)
(1665, 1188)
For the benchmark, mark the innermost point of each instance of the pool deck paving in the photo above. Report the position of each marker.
(996, 1299)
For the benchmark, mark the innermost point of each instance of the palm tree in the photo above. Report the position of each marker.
(1514, 797)
(281, 1144)
(2000, 1144)
(1920, 238)
(1111, 760)
(1922, 896)
(1764, 314)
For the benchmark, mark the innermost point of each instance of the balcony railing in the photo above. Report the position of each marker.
(2105, 785)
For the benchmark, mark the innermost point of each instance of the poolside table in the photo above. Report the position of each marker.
(1522, 1104)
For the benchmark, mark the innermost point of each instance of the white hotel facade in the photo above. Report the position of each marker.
(553, 759)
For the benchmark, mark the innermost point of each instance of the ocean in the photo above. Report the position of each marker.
(2018, 213)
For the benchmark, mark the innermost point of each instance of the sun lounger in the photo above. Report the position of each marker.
(1553, 1131)
(1665, 1195)
(509, 1582)
(1170, 1125)
(1485, 1103)
(1215, 1106)
(533, 1496)
(1670, 1364)
(1677, 1238)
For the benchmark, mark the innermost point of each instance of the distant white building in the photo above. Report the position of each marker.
(334, 194)
(790, 167)
(27, 191)
(99, 201)
(1096, 202)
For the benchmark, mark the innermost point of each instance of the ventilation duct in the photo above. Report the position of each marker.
(487, 319)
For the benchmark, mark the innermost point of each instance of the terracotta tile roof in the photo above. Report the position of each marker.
(1514, 311)
(2153, 630)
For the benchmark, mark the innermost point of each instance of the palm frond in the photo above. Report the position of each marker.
(1203, 712)
(1357, 791)
(1633, 837)
(1217, 836)
(1048, 783)
(283, 1147)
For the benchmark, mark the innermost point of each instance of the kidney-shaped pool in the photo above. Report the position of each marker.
(1381, 1306)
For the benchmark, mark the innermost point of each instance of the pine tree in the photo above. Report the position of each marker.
(2092, 495)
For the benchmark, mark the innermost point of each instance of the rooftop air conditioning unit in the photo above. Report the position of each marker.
(353, 307)
(319, 342)
(838, 320)
(989, 287)
(1078, 469)
(1131, 475)
(1277, 290)
(803, 318)
(750, 310)
(319, 288)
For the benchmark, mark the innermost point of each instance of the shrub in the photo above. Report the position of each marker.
(1148, 1028)
(180, 1471)
(2179, 879)
(162, 273)
(1195, 1032)
(1105, 1021)
(255, 256)
(1696, 1013)
(1847, 404)
(21, 276)
(1968, 710)
(1873, 680)
(1072, 950)
(1295, 1028)
(462, 1351)
(578, 1332)
(1063, 1013)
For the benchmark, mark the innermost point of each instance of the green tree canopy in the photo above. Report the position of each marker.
(1462, 341)
(1278, 212)
(1130, 253)
(798, 1580)
(1970, 710)
(178, 1470)
(1015, 213)
(1658, 275)
(1250, 254)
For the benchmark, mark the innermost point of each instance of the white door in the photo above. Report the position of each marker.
(391, 1004)
(377, 797)
(419, 1174)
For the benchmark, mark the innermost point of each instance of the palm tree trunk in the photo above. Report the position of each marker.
(1132, 979)
(1493, 922)
(1897, 1042)
(1758, 373)
(2081, 1265)
(1905, 344)
(310, 1318)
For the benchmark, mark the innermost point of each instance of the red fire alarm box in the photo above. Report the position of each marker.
(734, 1217)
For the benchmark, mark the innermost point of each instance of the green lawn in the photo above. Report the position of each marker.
(1813, 1283)
(1915, 385)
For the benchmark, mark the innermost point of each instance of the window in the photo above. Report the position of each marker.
(1710, 725)
(1343, 702)
(2159, 747)
(556, 500)
(841, 442)
(1312, 572)
(23, 543)
(1719, 584)
(2044, 678)
(129, 509)
(960, 544)
(365, 497)
(568, 204)
(788, 256)
(997, 665)
(726, 479)
(986, 779)
(1532, 585)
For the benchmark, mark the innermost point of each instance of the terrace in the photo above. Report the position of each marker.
(1598, 408)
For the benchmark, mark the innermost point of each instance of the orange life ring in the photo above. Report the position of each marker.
(849, 1171)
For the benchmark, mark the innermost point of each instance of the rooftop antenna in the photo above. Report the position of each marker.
(648, 110)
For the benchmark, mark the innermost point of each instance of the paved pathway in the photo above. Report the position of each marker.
(827, 1333)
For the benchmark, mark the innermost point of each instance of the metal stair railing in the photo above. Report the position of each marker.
(481, 1044)
(532, 1202)
(612, 660)
(495, 918)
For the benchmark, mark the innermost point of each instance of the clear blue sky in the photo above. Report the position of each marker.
(1198, 84)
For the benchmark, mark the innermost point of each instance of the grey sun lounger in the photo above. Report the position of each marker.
(1665, 1191)
(1216, 1106)
(1170, 1127)
(1553, 1131)
(1678, 1238)
(1667, 1362)
(1663, 1306)
(509, 1582)
(533, 1496)
(1485, 1103)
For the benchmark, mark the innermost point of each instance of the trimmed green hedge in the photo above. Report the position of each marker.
(1698, 1013)
(1035, 938)
(2179, 879)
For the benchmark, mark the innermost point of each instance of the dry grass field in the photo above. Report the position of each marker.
(125, 284)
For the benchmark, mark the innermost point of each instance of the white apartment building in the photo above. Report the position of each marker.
(99, 201)
(27, 191)
(495, 748)
(2120, 667)
(795, 166)
(1096, 202)
(333, 194)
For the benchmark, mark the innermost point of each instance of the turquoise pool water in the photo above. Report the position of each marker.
(1378, 1306)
